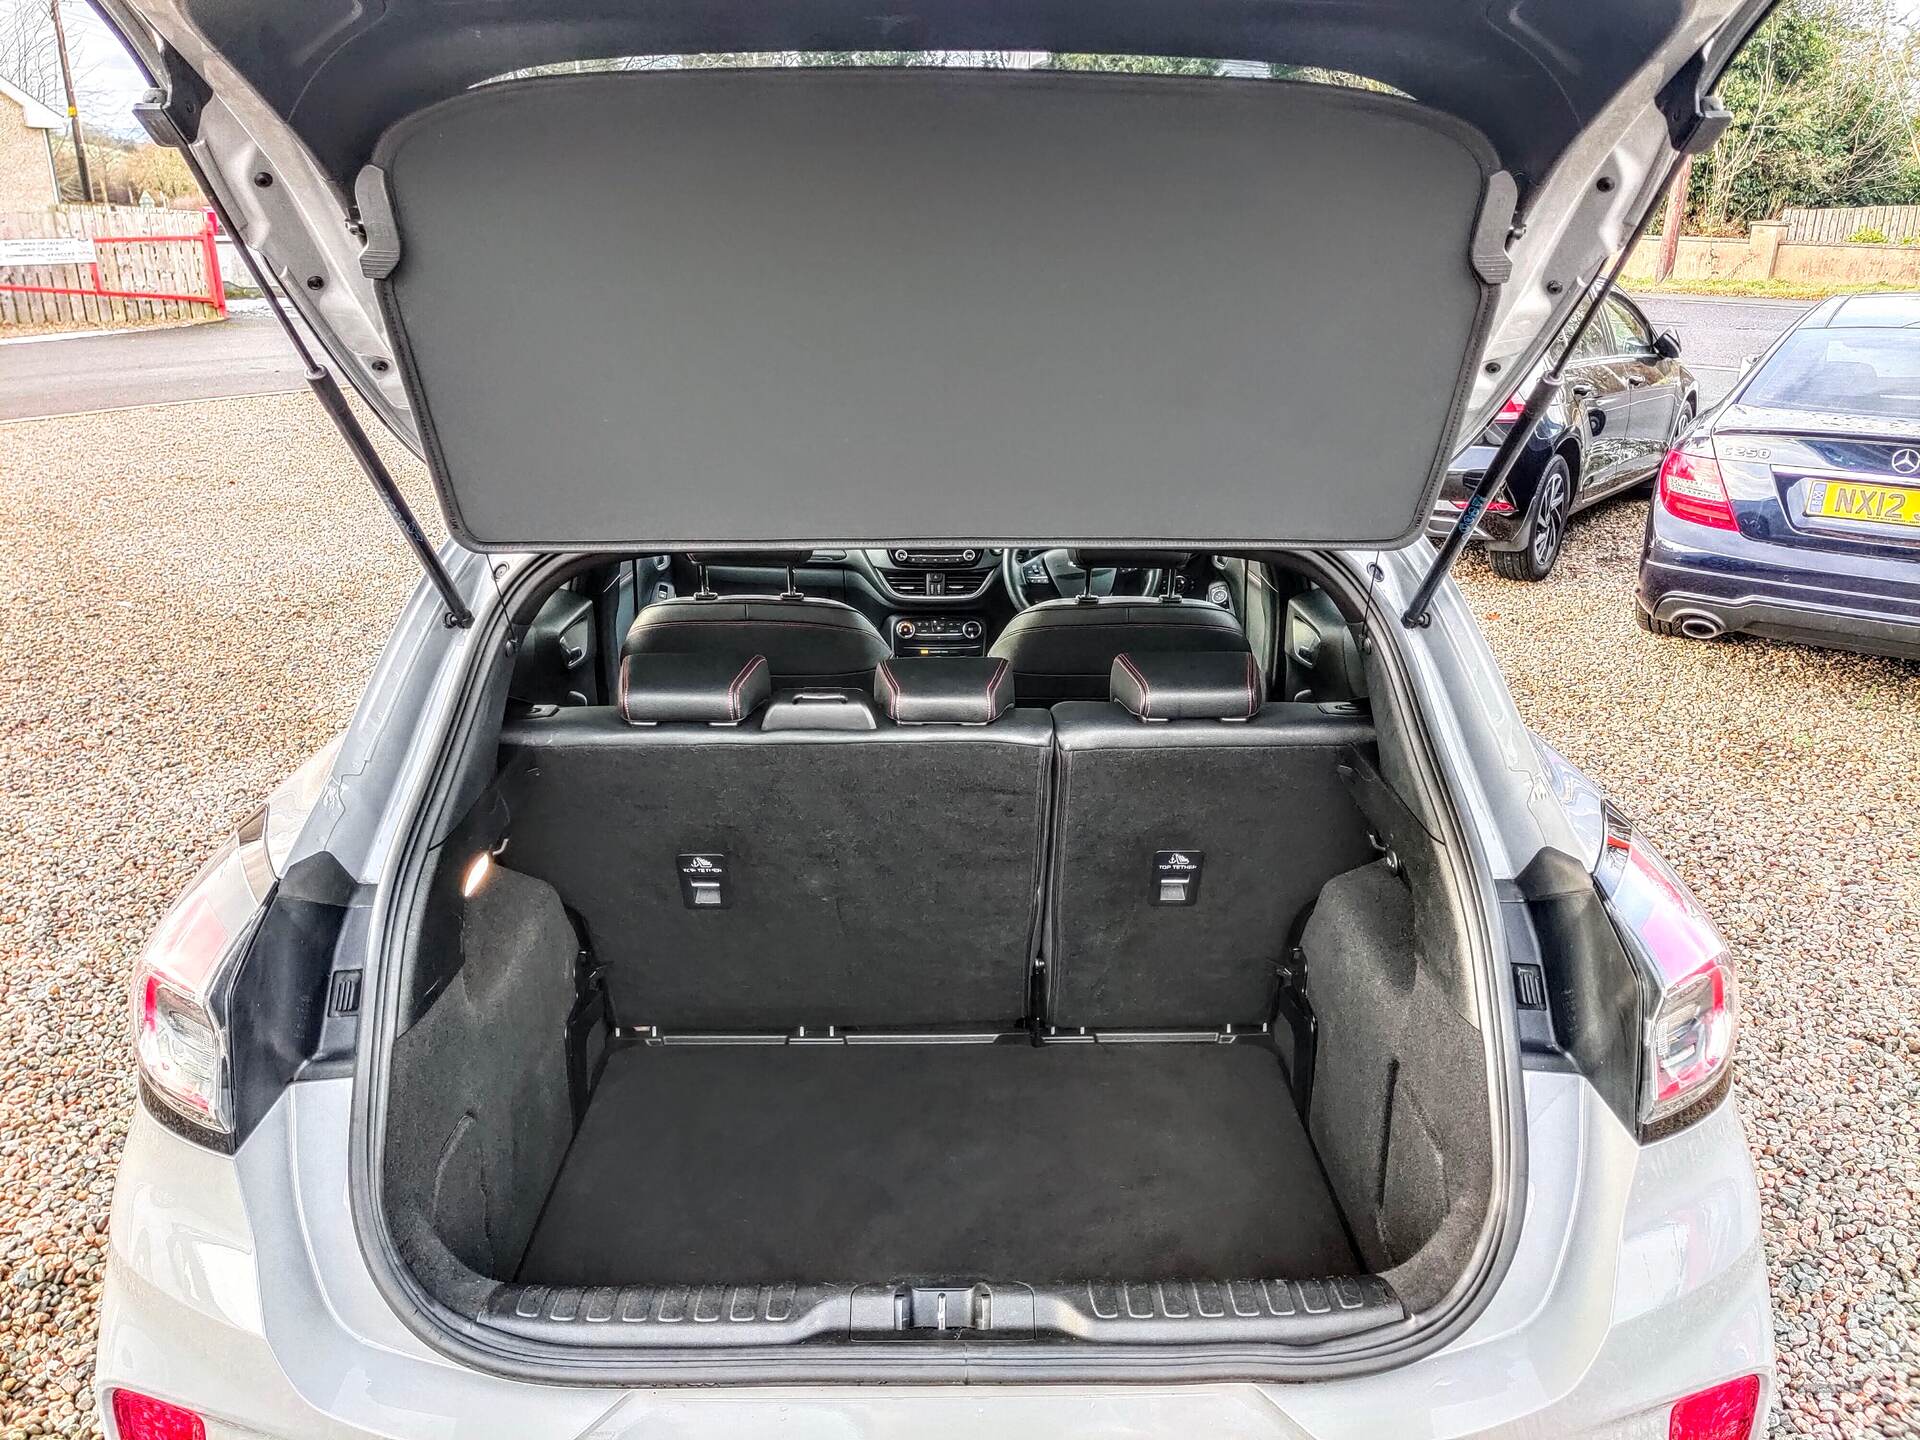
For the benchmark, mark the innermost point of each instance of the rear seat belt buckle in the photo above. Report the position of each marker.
(1385, 851)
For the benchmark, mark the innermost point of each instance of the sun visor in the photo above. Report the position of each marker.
(730, 308)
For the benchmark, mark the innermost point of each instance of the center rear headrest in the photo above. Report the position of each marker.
(1187, 685)
(943, 689)
(1130, 559)
(692, 689)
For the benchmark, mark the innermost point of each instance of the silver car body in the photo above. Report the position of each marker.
(237, 1283)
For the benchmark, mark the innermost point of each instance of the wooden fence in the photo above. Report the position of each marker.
(157, 259)
(1839, 225)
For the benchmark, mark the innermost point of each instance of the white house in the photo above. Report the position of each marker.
(27, 128)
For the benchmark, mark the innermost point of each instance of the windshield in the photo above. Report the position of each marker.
(1860, 372)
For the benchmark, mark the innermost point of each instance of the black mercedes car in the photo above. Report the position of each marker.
(1792, 510)
(1623, 398)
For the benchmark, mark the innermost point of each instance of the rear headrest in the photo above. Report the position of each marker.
(692, 689)
(1130, 559)
(1187, 685)
(943, 689)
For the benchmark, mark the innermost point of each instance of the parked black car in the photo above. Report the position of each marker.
(1792, 510)
(1623, 398)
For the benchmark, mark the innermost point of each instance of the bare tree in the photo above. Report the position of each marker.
(28, 57)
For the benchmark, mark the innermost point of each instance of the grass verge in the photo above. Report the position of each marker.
(1756, 289)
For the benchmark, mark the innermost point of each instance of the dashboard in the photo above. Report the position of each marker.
(929, 580)
(928, 601)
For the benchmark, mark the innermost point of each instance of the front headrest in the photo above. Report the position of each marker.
(1187, 685)
(762, 559)
(943, 689)
(692, 689)
(1129, 559)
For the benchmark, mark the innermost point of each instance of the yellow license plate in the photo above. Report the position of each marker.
(1880, 504)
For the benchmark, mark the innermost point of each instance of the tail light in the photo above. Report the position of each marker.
(141, 1417)
(180, 984)
(1726, 1412)
(1691, 992)
(1691, 486)
(1511, 411)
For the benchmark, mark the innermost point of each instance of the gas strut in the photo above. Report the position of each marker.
(155, 115)
(1711, 121)
(333, 400)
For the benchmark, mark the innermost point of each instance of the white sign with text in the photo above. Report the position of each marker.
(48, 250)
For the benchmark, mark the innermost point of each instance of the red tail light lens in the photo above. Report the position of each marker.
(179, 1031)
(141, 1417)
(1726, 1412)
(1692, 1009)
(1511, 411)
(1691, 487)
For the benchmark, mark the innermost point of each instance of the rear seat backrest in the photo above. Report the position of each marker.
(874, 873)
(1185, 776)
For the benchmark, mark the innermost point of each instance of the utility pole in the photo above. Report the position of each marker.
(1676, 212)
(73, 105)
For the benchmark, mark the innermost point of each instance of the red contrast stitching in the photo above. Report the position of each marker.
(999, 674)
(733, 690)
(893, 690)
(1146, 690)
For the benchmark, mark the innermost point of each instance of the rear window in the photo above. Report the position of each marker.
(1860, 372)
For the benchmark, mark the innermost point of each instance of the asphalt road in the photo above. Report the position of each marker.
(1717, 334)
(247, 355)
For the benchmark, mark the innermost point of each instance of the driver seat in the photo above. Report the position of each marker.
(1064, 649)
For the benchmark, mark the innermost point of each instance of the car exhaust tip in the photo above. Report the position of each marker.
(1697, 625)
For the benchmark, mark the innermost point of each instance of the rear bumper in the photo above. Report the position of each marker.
(1729, 583)
(235, 1286)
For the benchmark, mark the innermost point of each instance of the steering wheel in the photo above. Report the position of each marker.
(1025, 572)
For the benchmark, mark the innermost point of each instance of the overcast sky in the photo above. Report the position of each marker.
(111, 73)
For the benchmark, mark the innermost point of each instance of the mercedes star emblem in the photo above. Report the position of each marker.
(1906, 460)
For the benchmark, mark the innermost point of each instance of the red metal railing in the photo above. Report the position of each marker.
(204, 237)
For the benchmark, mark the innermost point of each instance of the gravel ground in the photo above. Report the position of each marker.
(190, 599)
(1784, 784)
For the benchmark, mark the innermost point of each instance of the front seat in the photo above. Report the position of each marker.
(1064, 649)
(807, 642)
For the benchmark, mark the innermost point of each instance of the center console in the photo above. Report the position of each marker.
(923, 579)
(964, 573)
(937, 635)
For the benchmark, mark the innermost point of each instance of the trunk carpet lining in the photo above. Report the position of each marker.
(870, 1163)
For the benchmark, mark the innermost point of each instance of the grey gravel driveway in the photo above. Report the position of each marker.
(191, 597)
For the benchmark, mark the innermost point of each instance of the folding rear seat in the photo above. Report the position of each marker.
(1194, 825)
(743, 861)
